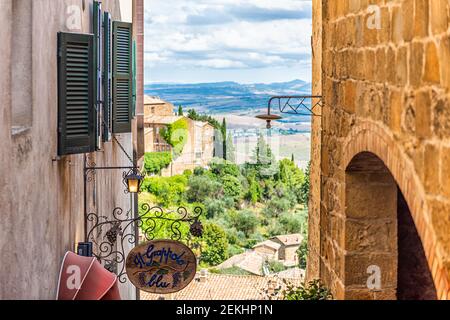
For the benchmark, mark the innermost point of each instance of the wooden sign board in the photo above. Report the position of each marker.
(161, 266)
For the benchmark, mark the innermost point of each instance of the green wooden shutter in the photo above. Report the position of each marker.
(122, 77)
(97, 27)
(76, 112)
(107, 77)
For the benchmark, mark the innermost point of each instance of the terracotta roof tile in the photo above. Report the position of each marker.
(290, 239)
(224, 287)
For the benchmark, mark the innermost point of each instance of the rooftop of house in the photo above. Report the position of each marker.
(153, 119)
(150, 100)
(249, 261)
(225, 287)
(203, 124)
(293, 273)
(268, 243)
(289, 239)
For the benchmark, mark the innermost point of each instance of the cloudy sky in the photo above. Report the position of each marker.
(246, 41)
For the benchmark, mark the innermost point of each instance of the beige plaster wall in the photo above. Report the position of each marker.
(41, 200)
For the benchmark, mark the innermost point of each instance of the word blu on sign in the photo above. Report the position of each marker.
(161, 266)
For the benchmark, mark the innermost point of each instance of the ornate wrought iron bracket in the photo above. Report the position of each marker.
(113, 236)
(297, 105)
(89, 172)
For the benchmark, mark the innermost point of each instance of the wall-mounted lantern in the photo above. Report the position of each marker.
(133, 180)
(269, 118)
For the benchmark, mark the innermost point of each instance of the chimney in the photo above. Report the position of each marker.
(203, 275)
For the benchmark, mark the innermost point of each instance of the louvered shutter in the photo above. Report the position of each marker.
(122, 77)
(76, 114)
(97, 21)
(107, 77)
(133, 110)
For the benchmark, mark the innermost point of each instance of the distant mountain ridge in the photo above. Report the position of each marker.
(294, 87)
(227, 97)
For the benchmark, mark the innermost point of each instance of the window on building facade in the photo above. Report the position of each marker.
(94, 84)
(76, 113)
(122, 77)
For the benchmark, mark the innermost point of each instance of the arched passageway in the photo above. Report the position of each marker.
(414, 279)
(384, 256)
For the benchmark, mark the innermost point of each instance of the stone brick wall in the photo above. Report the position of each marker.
(386, 91)
(313, 266)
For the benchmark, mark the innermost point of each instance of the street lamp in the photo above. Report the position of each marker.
(133, 181)
(269, 118)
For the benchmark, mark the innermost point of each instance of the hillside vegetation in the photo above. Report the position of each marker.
(242, 205)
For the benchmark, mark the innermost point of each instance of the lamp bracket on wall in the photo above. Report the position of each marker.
(297, 105)
(293, 105)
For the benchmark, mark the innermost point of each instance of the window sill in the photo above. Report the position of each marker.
(18, 131)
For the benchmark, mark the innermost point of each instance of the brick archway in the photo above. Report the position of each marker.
(373, 138)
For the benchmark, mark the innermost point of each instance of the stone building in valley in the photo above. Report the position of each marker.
(157, 107)
(380, 198)
(199, 148)
(289, 245)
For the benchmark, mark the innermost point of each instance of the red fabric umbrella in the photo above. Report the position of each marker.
(84, 278)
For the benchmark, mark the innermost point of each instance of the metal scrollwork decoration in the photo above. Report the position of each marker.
(113, 236)
(297, 105)
(293, 105)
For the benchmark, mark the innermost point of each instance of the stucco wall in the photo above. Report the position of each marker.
(385, 90)
(42, 210)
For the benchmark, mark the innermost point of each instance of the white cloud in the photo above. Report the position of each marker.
(220, 64)
(227, 34)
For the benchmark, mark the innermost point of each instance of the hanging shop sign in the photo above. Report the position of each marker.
(161, 266)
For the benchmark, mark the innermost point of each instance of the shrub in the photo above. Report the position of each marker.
(290, 174)
(276, 207)
(275, 266)
(187, 173)
(312, 290)
(254, 191)
(214, 208)
(201, 188)
(232, 187)
(275, 228)
(214, 245)
(291, 223)
(245, 221)
(305, 187)
(221, 167)
(168, 191)
(199, 171)
(176, 135)
(233, 271)
(192, 114)
(302, 254)
(234, 250)
(154, 162)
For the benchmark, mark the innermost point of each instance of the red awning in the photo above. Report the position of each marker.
(83, 278)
